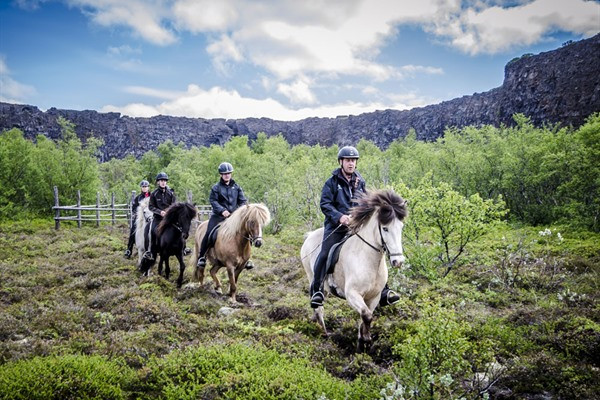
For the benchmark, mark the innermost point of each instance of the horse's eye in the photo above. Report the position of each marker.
(385, 229)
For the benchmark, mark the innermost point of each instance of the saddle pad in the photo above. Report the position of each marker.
(334, 255)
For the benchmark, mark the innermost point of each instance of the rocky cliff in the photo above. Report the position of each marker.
(559, 86)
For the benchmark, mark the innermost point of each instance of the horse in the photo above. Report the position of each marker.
(361, 272)
(144, 217)
(171, 234)
(236, 235)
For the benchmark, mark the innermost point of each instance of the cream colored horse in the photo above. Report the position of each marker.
(361, 271)
(241, 230)
(143, 218)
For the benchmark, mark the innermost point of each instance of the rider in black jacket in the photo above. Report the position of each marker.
(339, 194)
(226, 196)
(144, 187)
(160, 200)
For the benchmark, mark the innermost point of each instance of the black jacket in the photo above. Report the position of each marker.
(226, 197)
(161, 200)
(339, 195)
(136, 201)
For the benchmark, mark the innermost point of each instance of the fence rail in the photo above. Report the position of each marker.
(105, 212)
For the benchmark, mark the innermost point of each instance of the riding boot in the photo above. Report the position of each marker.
(316, 288)
(388, 297)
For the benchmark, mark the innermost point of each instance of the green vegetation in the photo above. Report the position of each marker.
(499, 295)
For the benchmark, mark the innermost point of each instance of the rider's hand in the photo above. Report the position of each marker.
(345, 220)
(226, 213)
(162, 213)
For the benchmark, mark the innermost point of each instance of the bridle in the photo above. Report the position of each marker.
(384, 247)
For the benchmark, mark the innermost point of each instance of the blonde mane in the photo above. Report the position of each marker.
(236, 222)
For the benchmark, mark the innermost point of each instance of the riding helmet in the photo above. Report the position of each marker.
(144, 183)
(162, 175)
(348, 152)
(225, 168)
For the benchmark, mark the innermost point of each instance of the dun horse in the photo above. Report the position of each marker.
(232, 248)
(171, 235)
(361, 271)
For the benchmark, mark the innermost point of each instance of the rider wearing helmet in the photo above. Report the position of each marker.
(144, 187)
(339, 194)
(226, 196)
(160, 199)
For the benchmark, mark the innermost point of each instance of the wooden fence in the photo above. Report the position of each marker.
(105, 212)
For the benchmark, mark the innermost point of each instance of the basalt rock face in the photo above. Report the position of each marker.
(559, 86)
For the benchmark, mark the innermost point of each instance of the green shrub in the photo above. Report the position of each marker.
(67, 377)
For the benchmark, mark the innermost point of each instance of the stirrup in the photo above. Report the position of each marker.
(390, 298)
(148, 256)
(127, 253)
(201, 262)
(317, 299)
(187, 251)
(249, 265)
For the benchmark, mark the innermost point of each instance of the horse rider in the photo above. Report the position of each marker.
(339, 194)
(160, 199)
(226, 196)
(144, 187)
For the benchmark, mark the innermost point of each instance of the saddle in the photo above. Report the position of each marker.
(212, 236)
(334, 255)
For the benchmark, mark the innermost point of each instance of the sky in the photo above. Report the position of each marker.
(281, 59)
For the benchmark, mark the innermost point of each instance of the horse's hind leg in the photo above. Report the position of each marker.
(320, 318)
(213, 274)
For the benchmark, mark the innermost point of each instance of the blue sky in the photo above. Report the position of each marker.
(281, 59)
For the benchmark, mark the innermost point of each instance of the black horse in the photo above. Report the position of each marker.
(171, 235)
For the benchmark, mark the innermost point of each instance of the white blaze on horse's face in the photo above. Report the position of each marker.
(255, 233)
(392, 237)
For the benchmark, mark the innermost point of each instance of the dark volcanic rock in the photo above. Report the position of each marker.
(559, 86)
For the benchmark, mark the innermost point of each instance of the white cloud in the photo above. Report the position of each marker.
(495, 29)
(205, 15)
(224, 50)
(221, 103)
(298, 92)
(12, 91)
(145, 18)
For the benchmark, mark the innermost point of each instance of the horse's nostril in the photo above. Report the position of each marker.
(258, 243)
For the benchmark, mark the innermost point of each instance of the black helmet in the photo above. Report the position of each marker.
(225, 168)
(348, 152)
(162, 175)
(144, 183)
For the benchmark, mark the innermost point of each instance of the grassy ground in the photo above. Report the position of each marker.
(519, 320)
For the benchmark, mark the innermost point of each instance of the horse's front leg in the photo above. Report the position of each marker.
(231, 273)
(181, 270)
(167, 266)
(357, 302)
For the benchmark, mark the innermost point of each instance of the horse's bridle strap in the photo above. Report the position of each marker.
(370, 245)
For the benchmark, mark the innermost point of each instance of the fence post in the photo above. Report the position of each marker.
(131, 208)
(189, 196)
(56, 209)
(78, 209)
(112, 205)
(97, 209)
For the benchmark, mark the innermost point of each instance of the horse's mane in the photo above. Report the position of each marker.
(389, 204)
(257, 212)
(173, 214)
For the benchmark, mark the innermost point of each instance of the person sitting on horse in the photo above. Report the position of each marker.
(160, 199)
(226, 196)
(339, 194)
(144, 187)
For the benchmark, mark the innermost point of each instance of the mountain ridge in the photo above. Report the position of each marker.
(561, 86)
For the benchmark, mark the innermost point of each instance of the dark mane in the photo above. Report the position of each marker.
(177, 213)
(389, 204)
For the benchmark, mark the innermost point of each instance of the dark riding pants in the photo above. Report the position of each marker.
(330, 238)
(131, 241)
(212, 222)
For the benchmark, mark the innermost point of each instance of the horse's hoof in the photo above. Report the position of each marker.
(218, 291)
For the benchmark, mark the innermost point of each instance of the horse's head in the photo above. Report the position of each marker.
(256, 216)
(390, 211)
(179, 215)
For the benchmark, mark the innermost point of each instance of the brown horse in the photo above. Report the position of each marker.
(241, 230)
